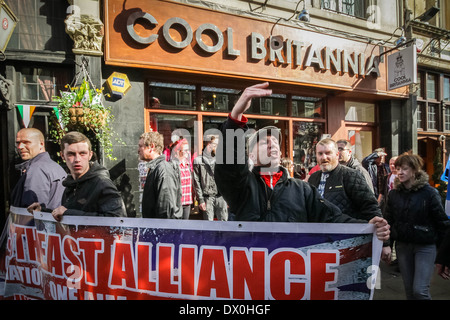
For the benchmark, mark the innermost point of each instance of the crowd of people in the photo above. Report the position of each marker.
(256, 185)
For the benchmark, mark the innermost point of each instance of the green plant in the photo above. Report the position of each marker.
(81, 109)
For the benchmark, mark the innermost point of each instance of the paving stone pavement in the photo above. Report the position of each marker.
(391, 285)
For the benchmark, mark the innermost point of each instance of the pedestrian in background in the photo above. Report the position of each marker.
(346, 158)
(289, 165)
(343, 186)
(181, 156)
(418, 220)
(378, 171)
(392, 175)
(210, 201)
(41, 177)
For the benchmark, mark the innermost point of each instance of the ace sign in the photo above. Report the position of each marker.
(402, 68)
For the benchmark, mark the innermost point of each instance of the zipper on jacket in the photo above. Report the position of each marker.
(269, 204)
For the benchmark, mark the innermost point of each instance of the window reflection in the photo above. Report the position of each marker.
(174, 127)
(305, 107)
(173, 96)
(306, 135)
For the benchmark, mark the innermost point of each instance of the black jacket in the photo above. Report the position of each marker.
(348, 190)
(369, 163)
(94, 194)
(161, 198)
(355, 164)
(249, 198)
(416, 215)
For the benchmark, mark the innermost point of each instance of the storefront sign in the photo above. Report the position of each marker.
(87, 258)
(288, 52)
(8, 21)
(173, 36)
(402, 68)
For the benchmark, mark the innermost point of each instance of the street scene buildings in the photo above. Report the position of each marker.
(178, 67)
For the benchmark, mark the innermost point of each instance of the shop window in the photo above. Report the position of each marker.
(418, 85)
(361, 141)
(432, 114)
(41, 25)
(41, 84)
(358, 111)
(174, 96)
(446, 95)
(431, 87)
(420, 115)
(174, 127)
(305, 136)
(218, 99)
(211, 125)
(304, 107)
(447, 118)
(354, 8)
(275, 105)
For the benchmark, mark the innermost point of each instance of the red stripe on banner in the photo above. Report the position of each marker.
(354, 253)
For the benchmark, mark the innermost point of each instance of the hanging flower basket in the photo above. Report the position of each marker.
(79, 116)
(81, 109)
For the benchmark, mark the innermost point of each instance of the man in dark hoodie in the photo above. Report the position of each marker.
(89, 190)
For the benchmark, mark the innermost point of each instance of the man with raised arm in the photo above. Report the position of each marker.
(267, 192)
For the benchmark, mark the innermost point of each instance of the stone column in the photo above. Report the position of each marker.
(85, 28)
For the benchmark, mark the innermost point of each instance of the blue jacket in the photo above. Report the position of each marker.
(41, 181)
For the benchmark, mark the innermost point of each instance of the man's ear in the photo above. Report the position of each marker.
(42, 144)
(91, 153)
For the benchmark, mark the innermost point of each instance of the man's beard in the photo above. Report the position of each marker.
(326, 167)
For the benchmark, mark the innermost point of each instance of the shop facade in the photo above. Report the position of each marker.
(188, 64)
(432, 89)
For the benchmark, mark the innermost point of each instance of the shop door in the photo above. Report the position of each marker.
(362, 143)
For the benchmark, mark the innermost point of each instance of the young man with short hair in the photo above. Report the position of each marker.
(162, 190)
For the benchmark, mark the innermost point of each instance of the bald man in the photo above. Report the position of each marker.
(41, 177)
